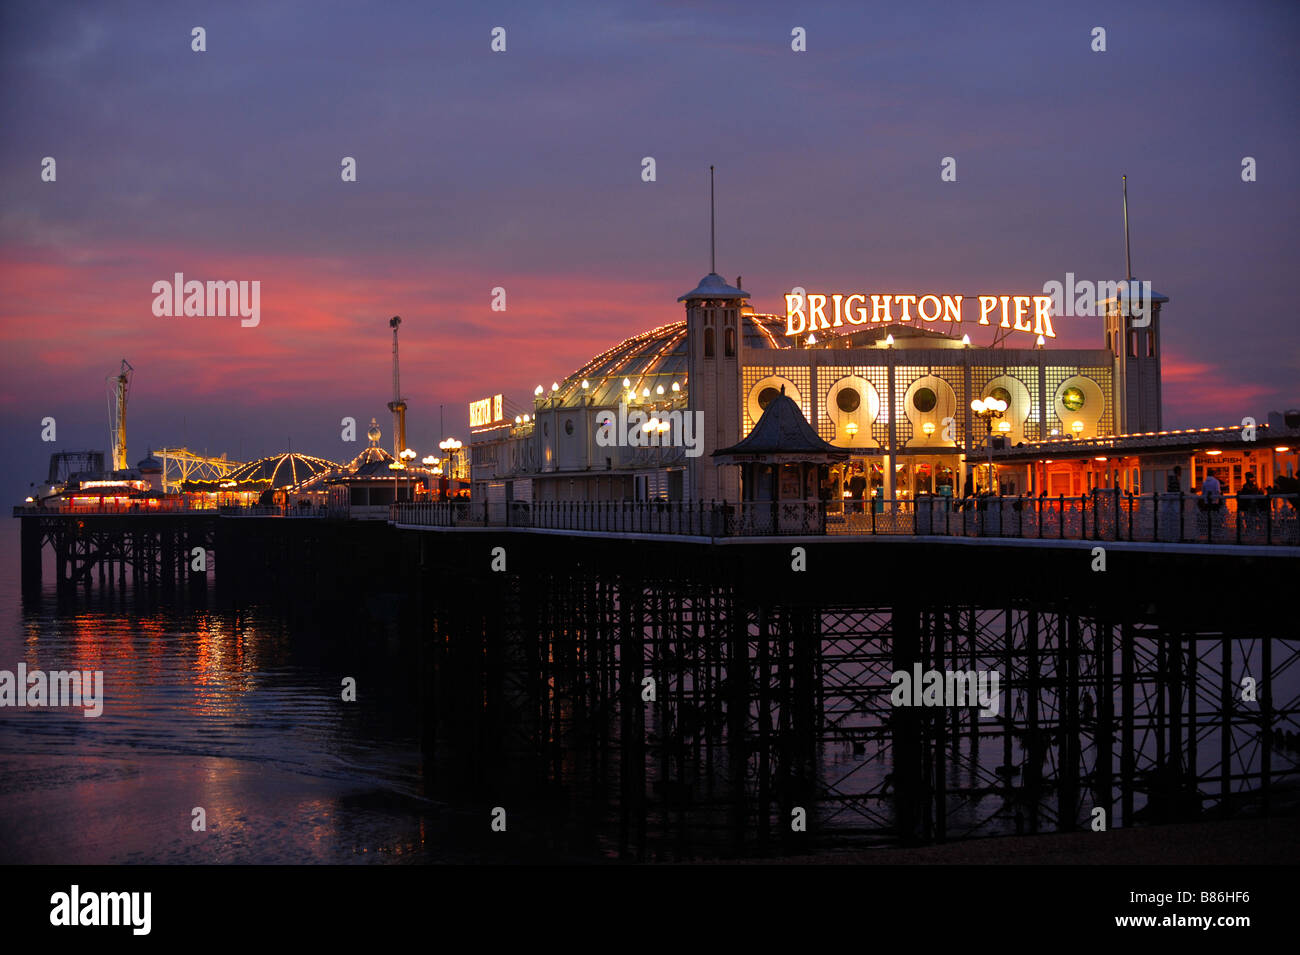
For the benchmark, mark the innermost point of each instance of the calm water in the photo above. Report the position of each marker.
(207, 708)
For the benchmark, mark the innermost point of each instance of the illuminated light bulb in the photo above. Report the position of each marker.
(631, 394)
(928, 427)
(627, 383)
(965, 340)
(812, 340)
(659, 390)
(650, 425)
(537, 390)
(525, 419)
(1041, 341)
(889, 340)
(977, 406)
(518, 420)
(676, 386)
(555, 386)
(585, 384)
(1004, 426)
(1283, 449)
(851, 428)
(645, 392)
(1077, 427)
(664, 426)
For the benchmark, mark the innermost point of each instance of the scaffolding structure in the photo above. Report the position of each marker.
(692, 714)
(181, 465)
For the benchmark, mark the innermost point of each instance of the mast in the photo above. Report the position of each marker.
(713, 264)
(1128, 262)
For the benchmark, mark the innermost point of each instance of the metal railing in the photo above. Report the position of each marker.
(286, 510)
(1106, 514)
(1114, 515)
(22, 510)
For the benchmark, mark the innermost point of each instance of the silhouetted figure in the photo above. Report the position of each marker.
(857, 487)
(1211, 492)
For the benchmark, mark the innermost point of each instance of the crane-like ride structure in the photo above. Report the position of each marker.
(119, 386)
(398, 405)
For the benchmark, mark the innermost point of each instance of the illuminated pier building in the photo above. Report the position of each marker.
(641, 421)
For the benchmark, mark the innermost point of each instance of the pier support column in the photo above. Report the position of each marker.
(31, 554)
(907, 722)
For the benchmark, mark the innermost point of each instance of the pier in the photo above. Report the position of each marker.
(692, 687)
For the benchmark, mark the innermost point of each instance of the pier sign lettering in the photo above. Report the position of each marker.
(485, 411)
(815, 312)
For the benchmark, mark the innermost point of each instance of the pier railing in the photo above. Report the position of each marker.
(55, 509)
(1104, 514)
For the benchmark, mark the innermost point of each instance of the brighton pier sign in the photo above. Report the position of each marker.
(813, 312)
(485, 411)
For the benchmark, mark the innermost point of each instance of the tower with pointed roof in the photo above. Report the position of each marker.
(715, 347)
(715, 342)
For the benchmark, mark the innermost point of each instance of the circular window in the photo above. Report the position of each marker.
(1002, 395)
(848, 400)
(923, 400)
(568, 426)
(1072, 399)
(765, 397)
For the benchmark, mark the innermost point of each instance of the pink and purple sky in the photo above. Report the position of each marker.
(523, 170)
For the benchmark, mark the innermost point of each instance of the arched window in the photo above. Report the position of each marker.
(708, 343)
(729, 340)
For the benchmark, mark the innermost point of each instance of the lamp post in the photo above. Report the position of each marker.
(394, 466)
(988, 410)
(451, 446)
(407, 457)
(429, 461)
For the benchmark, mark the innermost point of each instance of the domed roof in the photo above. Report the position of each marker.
(280, 470)
(149, 463)
(713, 285)
(653, 359)
(373, 461)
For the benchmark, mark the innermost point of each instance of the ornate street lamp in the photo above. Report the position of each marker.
(988, 410)
(407, 457)
(451, 446)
